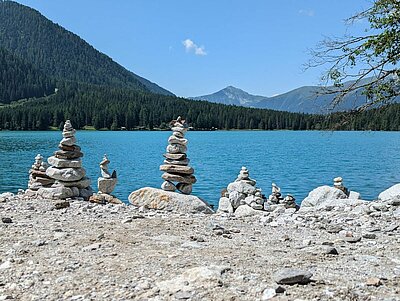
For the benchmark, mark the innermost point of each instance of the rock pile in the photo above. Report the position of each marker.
(241, 192)
(37, 175)
(242, 197)
(106, 184)
(176, 164)
(66, 170)
(276, 198)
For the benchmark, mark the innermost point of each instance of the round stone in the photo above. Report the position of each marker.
(186, 179)
(184, 188)
(176, 149)
(175, 140)
(180, 169)
(168, 186)
(66, 174)
(68, 141)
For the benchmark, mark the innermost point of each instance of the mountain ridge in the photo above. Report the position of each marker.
(60, 53)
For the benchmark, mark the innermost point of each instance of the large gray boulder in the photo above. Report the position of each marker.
(245, 210)
(153, 198)
(225, 205)
(57, 193)
(322, 194)
(391, 193)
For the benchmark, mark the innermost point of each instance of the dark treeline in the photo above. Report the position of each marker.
(113, 108)
(21, 80)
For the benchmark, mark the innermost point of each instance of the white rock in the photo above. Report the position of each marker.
(66, 174)
(59, 192)
(391, 193)
(355, 195)
(322, 194)
(268, 294)
(245, 210)
(56, 162)
(106, 185)
(153, 198)
(242, 187)
(225, 205)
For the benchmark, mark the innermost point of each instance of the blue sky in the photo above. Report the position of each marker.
(198, 47)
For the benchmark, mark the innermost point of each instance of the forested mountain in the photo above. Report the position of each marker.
(61, 54)
(21, 80)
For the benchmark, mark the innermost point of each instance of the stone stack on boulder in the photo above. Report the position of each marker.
(178, 175)
(106, 184)
(324, 195)
(242, 192)
(66, 170)
(37, 175)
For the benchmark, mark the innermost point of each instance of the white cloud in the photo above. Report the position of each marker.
(307, 12)
(192, 46)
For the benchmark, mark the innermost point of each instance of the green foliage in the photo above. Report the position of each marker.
(59, 53)
(113, 108)
(20, 80)
(370, 61)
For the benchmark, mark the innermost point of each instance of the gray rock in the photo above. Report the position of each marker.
(186, 179)
(245, 210)
(322, 194)
(183, 162)
(61, 205)
(292, 276)
(83, 183)
(225, 205)
(86, 193)
(236, 198)
(106, 185)
(91, 247)
(168, 186)
(176, 149)
(66, 174)
(158, 199)
(63, 163)
(355, 195)
(6, 220)
(69, 141)
(59, 192)
(180, 169)
(242, 187)
(175, 140)
(391, 193)
(184, 188)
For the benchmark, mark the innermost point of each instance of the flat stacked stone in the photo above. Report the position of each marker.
(178, 175)
(37, 175)
(106, 184)
(338, 183)
(66, 169)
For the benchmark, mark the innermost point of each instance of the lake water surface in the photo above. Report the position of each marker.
(298, 162)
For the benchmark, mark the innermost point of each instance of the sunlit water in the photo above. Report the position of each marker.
(296, 161)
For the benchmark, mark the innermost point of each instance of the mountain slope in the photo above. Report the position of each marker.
(19, 79)
(306, 99)
(232, 96)
(60, 53)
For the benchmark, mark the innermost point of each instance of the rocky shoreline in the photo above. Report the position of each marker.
(337, 250)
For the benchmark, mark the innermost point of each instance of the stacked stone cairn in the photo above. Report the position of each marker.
(241, 192)
(275, 198)
(37, 175)
(178, 175)
(106, 184)
(66, 170)
(338, 183)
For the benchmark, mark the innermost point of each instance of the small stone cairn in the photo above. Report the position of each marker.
(275, 198)
(37, 175)
(176, 164)
(66, 170)
(106, 184)
(241, 192)
(338, 183)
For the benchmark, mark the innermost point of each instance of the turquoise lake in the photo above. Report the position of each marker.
(298, 162)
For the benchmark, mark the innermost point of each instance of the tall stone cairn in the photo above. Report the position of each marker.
(178, 175)
(66, 169)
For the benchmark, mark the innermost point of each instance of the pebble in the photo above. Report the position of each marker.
(373, 281)
(268, 294)
(61, 205)
(6, 220)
